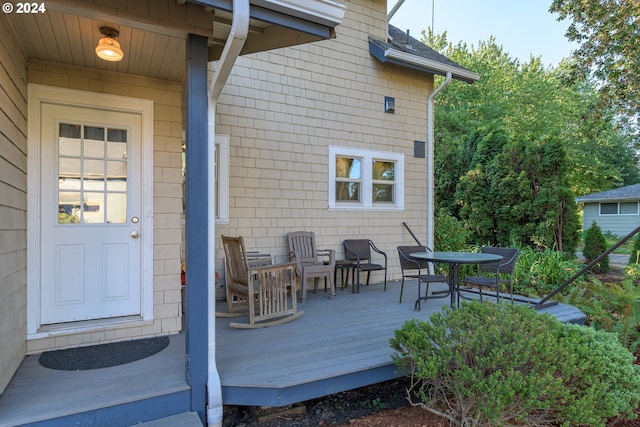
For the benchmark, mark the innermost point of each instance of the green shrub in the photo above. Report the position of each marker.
(611, 307)
(64, 218)
(632, 272)
(486, 364)
(538, 272)
(594, 245)
(449, 233)
(634, 256)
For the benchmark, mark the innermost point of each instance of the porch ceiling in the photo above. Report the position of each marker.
(152, 34)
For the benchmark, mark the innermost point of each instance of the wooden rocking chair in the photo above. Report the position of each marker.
(267, 293)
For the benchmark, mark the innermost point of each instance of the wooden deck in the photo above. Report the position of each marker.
(336, 345)
(38, 396)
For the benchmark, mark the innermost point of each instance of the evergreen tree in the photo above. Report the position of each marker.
(514, 149)
(634, 256)
(594, 245)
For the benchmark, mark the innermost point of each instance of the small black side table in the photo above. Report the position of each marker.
(342, 265)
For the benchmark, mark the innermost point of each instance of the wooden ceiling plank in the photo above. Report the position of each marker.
(47, 32)
(89, 37)
(158, 56)
(34, 32)
(146, 53)
(135, 45)
(72, 27)
(19, 27)
(60, 37)
(177, 48)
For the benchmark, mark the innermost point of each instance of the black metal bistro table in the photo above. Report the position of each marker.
(455, 260)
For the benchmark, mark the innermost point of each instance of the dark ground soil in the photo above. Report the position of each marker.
(329, 410)
(378, 405)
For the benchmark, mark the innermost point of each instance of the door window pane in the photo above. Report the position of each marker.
(92, 132)
(68, 207)
(69, 168)
(93, 169)
(93, 208)
(69, 131)
(116, 208)
(70, 147)
(117, 135)
(116, 151)
(92, 174)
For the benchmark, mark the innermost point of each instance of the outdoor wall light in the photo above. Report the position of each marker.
(108, 47)
(389, 104)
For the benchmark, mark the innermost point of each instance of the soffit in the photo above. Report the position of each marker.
(152, 34)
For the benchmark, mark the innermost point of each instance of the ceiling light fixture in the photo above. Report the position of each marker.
(108, 47)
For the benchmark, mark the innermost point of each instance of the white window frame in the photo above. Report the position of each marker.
(367, 157)
(619, 211)
(222, 178)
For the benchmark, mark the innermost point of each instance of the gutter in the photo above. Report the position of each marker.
(325, 12)
(430, 167)
(230, 52)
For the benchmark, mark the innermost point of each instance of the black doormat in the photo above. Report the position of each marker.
(103, 355)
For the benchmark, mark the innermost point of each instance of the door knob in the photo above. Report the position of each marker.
(135, 234)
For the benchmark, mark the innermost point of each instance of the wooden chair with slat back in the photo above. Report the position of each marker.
(311, 263)
(267, 294)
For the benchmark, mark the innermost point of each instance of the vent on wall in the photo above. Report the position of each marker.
(389, 104)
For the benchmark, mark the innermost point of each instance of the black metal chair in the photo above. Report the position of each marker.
(413, 268)
(498, 274)
(359, 251)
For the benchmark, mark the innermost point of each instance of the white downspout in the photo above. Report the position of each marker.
(231, 51)
(430, 167)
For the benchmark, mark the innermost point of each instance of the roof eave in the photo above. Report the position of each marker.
(607, 199)
(315, 17)
(431, 65)
(395, 56)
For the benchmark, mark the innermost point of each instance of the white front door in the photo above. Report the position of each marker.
(90, 213)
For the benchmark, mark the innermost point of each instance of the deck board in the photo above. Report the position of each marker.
(61, 393)
(338, 344)
(347, 337)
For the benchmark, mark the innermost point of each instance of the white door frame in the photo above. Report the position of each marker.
(39, 95)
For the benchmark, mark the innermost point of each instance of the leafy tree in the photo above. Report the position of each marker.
(513, 149)
(608, 33)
